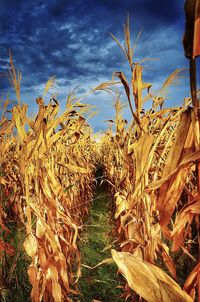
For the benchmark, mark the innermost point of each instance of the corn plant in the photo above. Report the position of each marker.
(151, 164)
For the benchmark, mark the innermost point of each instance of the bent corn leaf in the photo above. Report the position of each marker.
(161, 288)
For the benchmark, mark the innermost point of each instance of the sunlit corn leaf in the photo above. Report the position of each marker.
(121, 204)
(6, 127)
(18, 116)
(187, 160)
(74, 168)
(31, 245)
(168, 260)
(192, 282)
(184, 218)
(52, 274)
(181, 143)
(103, 262)
(139, 274)
(124, 82)
(3, 181)
(32, 273)
(138, 86)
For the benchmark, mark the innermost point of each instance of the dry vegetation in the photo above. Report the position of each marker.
(47, 174)
(153, 166)
(47, 177)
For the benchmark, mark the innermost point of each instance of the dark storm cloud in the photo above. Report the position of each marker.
(70, 39)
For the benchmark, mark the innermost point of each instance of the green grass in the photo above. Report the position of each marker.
(99, 283)
(16, 286)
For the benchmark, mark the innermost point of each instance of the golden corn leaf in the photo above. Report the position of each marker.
(141, 150)
(103, 262)
(74, 168)
(171, 186)
(18, 116)
(168, 260)
(174, 156)
(3, 181)
(63, 271)
(40, 228)
(42, 257)
(137, 87)
(31, 245)
(166, 205)
(124, 82)
(121, 204)
(32, 274)
(149, 281)
(187, 160)
(183, 219)
(193, 281)
(52, 274)
(6, 127)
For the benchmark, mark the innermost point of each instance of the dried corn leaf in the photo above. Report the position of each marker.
(139, 274)
(121, 204)
(141, 149)
(3, 181)
(124, 82)
(138, 86)
(31, 245)
(32, 274)
(167, 205)
(52, 274)
(73, 168)
(183, 219)
(187, 160)
(168, 260)
(6, 127)
(193, 281)
(18, 116)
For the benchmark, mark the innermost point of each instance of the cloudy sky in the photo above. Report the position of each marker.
(70, 39)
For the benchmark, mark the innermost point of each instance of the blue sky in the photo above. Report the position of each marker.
(70, 39)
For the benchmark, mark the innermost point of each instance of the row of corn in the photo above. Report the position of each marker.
(153, 166)
(47, 176)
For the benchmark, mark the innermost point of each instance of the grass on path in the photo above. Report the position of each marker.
(100, 283)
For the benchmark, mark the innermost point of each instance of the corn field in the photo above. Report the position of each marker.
(151, 169)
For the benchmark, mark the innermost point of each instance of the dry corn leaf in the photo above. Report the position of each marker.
(124, 82)
(188, 160)
(52, 274)
(121, 204)
(183, 219)
(193, 280)
(32, 274)
(18, 116)
(142, 149)
(168, 260)
(138, 86)
(166, 205)
(139, 274)
(103, 262)
(74, 168)
(31, 245)
(3, 181)
(6, 127)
